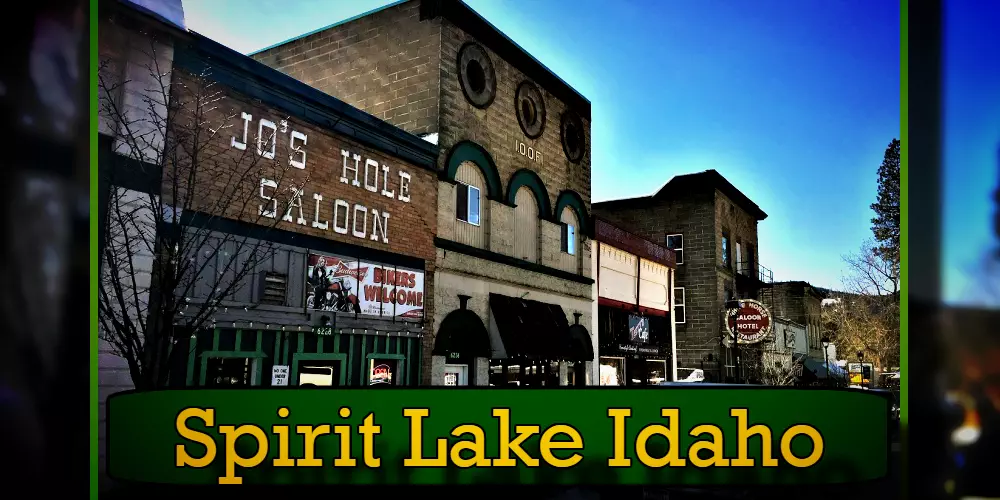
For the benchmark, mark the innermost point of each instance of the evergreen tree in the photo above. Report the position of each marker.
(885, 225)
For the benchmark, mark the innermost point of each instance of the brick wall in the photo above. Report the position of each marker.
(799, 302)
(496, 128)
(386, 64)
(701, 218)
(411, 225)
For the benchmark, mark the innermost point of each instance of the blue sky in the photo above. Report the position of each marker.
(793, 102)
(971, 146)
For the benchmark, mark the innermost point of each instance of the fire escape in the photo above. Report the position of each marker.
(751, 281)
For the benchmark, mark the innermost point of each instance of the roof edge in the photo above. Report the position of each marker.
(334, 25)
(465, 17)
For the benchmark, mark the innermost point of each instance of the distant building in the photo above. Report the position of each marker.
(801, 302)
(712, 228)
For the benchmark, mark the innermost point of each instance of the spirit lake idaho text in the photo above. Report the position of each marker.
(470, 449)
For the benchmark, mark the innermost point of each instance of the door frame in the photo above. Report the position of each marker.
(466, 371)
(331, 356)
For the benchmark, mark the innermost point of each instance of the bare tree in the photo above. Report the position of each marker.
(166, 269)
(866, 319)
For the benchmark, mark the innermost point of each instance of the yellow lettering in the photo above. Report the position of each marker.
(233, 458)
(743, 435)
(477, 446)
(368, 432)
(416, 458)
(618, 416)
(672, 457)
(714, 445)
(207, 416)
(507, 446)
(282, 431)
(344, 433)
(786, 445)
(548, 444)
(309, 435)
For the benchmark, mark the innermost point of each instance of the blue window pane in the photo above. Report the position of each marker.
(473, 205)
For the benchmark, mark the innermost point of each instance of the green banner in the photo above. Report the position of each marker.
(680, 436)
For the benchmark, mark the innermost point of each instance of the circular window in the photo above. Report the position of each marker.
(530, 109)
(573, 140)
(475, 72)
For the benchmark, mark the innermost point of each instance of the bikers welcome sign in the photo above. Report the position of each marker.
(342, 284)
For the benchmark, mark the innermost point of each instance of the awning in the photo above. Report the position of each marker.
(462, 333)
(536, 330)
(821, 369)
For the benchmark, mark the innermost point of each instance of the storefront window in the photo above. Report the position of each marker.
(612, 371)
(524, 374)
(656, 371)
(382, 372)
(229, 372)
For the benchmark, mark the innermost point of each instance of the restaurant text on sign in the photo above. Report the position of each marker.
(749, 322)
(347, 218)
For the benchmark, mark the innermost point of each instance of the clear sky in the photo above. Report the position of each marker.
(793, 101)
(971, 146)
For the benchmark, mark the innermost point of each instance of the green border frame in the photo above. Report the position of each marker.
(312, 356)
(95, 209)
(904, 231)
(397, 357)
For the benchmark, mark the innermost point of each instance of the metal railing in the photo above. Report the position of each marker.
(748, 269)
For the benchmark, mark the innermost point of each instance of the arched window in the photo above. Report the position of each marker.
(569, 240)
(526, 225)
(471, 207)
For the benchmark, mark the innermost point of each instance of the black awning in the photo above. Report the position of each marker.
(535, 330)
(462, 333)
(581, 346)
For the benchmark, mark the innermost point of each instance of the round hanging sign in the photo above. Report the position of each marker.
(749, 322)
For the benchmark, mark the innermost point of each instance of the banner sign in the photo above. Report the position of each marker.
(664, 435)
(342, 284)
(749, 323)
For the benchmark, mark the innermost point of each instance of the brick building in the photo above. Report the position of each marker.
(305, 226)
(712, 228)
(802, 303)
(513, 189)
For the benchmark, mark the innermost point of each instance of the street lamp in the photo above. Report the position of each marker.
(826, 358)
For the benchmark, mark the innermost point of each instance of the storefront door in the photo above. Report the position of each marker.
(455, 375)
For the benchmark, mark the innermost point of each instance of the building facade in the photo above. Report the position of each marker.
(635, 317)
(712, 228)
(132, 40)
(296, 245)
(513, 289)
(801, 303)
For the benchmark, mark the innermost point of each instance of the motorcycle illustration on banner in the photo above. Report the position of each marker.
(331, 285)
(339, 284)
